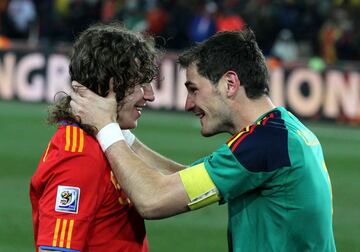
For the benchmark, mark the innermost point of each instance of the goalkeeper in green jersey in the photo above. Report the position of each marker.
(271, 172)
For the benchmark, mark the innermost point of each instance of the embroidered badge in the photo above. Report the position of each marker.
(67, 199)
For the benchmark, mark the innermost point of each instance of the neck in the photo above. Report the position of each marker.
(248, 111)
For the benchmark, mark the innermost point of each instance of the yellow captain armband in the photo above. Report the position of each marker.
(199, 187)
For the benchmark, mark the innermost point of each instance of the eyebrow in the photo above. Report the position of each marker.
(188, 83)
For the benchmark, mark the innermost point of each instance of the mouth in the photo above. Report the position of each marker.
(199, 114)
(140, 107)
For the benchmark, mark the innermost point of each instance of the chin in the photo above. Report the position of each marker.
(210, 131)
(207, 133)
(128, 125)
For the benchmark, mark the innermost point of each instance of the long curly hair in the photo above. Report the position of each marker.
(102, 52)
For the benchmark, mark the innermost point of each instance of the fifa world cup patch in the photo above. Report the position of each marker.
(67, 199)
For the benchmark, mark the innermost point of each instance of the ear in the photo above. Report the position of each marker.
(232, 83)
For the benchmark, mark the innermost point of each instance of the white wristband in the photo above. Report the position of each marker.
(129, 137)
(109, 135)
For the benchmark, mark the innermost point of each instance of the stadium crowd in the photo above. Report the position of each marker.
(285, 29)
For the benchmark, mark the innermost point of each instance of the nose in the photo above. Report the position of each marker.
(189, 103)
(149, 93)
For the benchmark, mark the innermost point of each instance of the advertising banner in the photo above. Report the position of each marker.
(330, 94)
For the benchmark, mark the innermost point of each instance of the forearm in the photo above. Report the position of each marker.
(156, 160)
(154, 195)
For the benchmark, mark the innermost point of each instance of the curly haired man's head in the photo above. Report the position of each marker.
(103, 52)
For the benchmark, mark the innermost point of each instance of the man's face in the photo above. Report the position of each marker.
(207, 102)
(129, 111)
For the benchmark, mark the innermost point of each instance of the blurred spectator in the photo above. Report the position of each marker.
(108, 11)
(3, 8)
(285, 47)
(22, 17)
(157, 19)
(203, 23)
(330, 29)
(345, 44)
(176, 31)
(288, 15)
(328, 35)
(227, 19)
(261, 17)
(4, 42)
(133, 16)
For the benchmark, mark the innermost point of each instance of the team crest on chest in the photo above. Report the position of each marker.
(67, 199)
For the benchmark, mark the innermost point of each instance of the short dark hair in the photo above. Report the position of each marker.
(231, 50)
(105, 51)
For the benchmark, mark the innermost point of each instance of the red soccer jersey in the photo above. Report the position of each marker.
(77, 205)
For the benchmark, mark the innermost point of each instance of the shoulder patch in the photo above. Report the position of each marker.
(67, 199)
(262, 147)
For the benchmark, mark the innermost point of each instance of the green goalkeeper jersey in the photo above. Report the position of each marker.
(273, 176)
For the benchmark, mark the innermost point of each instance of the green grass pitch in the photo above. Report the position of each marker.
(24, 136)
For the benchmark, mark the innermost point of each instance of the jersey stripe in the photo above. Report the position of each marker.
(56, 232)
(81, 142)
(266, 118)
(68, 240)
(233, 139)
(66, 231)
(123, 202)
(46, 152)
(74, 139)
(62, 236)
(67, 146)
(238, 141)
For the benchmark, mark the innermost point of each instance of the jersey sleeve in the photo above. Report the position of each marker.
(248, 160)
(69, 203)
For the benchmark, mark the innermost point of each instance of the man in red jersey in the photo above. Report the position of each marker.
(77, 204)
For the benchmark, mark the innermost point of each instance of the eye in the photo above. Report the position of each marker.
(193, 90)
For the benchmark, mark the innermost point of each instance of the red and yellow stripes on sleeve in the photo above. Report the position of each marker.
(63, 233)
(74, 139)
(266, 118)
(236, 139)
(46, 152)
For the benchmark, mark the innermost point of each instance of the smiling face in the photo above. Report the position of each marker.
(129, 111)
(207, 102)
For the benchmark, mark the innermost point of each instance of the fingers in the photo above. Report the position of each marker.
(82, 90)
(74, 108)
(77, 87)
(111, 88)
(75, 96)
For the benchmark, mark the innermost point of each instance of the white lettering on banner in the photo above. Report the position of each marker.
(35, 89)
(164, 87)
(58, 78)
(181, 89)
(342, 94)
(7, 70)
(277, 86)
(304, 105)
